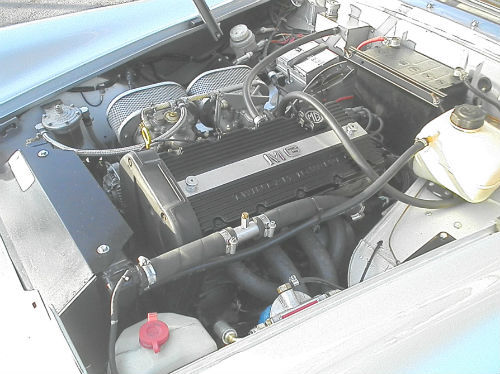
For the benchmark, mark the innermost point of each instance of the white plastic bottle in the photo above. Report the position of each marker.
(161, 344)
(464, 155)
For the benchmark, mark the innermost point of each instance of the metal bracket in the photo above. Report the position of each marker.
(148, 269)
(439, 191)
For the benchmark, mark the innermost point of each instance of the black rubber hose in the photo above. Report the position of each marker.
(199, 251)
(113, 329)
(189, 255)
(247, 84)
(358, 157)
(341, 244)
(283, 267)
(321, 216)
(268, 43)
(338, 240)
(318, 256)
(325, 282)
(252, 283)
(482, 95)
(299, 210)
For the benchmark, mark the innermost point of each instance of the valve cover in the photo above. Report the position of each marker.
(212, 183)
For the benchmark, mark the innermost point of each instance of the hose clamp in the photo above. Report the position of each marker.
(257, 121)
(231, 241)
(269, 226)
(147, 267)
(424, 141)
(359, 214)
(461, 73)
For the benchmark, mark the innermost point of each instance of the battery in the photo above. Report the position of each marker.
(303, 63)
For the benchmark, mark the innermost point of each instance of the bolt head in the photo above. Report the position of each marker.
(43, 153)
(457, 225)
(103, 249)
(191, 183)
(443, 235)
(350, 131)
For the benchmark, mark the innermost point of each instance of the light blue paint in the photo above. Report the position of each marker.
(476, 351)
(39, 59)
(72, 40)
(460, 16)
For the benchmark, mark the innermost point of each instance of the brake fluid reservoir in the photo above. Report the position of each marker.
(464, 156)
(161, 344)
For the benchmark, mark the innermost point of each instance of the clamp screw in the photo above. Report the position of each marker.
(233, 243)
(293, 280)
(271, 228)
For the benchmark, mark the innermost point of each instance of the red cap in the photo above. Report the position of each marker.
(153, 333)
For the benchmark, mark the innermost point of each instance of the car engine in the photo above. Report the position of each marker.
(262, 175)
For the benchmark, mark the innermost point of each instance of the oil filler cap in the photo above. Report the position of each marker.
(468, 117)
(154, 333)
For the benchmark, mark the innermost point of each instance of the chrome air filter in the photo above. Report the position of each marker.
(125, 107)
(214, 80)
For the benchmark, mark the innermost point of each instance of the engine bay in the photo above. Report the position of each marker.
(239, 183)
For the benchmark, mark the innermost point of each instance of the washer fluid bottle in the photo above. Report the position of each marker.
(162, 344)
